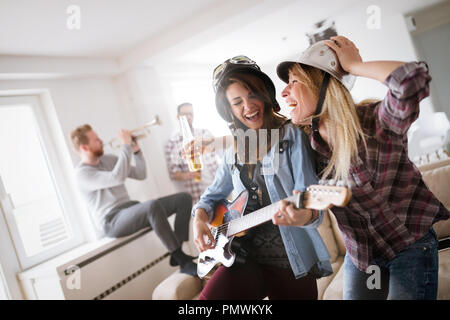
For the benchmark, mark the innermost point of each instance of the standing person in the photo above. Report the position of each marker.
(284, 261)
(195, 182)
(101, 180)
(388, 222)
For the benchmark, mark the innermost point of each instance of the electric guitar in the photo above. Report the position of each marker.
(229, 221)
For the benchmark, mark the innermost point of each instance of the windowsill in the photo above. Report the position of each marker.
(48, 268)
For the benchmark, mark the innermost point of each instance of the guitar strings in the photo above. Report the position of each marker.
(224, 226)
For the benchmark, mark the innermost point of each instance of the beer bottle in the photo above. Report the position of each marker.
(194, 157)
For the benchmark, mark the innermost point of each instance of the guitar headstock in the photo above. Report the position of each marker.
(321, 197)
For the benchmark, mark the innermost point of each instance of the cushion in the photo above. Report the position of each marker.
(437, 181)
(437, 178)
(334, 290)
(442, 228)
(178, 286)
(444, 275)
(327, 234)
(337, 235)
(323, 282)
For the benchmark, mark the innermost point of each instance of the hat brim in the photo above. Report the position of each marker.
(283, 70)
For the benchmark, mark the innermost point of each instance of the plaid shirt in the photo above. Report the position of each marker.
(176, 163)
(391, 207)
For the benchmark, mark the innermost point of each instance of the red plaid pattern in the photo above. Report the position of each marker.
(391, 207)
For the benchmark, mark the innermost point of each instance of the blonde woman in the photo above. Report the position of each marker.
(387, 225)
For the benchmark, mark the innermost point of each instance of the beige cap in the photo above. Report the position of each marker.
(322, 57)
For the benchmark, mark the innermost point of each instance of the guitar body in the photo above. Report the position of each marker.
(222, 252)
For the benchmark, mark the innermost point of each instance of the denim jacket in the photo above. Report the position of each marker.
(287, 166)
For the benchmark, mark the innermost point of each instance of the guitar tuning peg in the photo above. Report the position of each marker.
(340, 183)
(322, 182)
(331, 182)
(350, 184)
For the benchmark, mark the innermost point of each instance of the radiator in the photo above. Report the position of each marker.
(127, 268)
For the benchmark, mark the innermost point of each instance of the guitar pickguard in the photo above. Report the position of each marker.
(221, 253)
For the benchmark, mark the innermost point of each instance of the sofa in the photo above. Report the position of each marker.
(435, 169)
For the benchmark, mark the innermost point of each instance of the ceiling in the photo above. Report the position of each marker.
(182, 31)
(109, 28)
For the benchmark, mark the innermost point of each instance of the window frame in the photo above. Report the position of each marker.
(60, 167)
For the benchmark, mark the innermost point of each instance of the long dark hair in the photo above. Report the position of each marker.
(271, 119)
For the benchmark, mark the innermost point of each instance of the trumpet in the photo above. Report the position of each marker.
(137, 133)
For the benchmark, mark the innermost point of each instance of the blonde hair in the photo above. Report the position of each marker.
(339, 117)
(79, 136)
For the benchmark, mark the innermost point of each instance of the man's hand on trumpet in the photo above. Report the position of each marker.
(126, 137)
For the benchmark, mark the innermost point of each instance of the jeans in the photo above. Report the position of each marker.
(411, 275)
(134, 216)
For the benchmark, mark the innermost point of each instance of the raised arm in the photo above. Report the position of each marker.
(90, 178)
(408, 84)
(351, 61)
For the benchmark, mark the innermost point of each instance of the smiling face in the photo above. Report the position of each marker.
(245, 105)
(301, 98)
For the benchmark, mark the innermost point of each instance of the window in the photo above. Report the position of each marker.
(31, 185)
(199, 93)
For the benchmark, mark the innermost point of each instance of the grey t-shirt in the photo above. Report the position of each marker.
(102, 185)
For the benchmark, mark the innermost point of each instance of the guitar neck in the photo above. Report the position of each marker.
(257, 217)
(319, 197)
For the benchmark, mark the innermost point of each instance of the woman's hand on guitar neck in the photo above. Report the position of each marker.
(288, 215)
(202, 231)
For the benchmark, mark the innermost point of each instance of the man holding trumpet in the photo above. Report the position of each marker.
(101, 179)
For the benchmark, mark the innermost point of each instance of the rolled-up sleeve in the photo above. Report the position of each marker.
(173, 158)
(408, 85)
(139, 171)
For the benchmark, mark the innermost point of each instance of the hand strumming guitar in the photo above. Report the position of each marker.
(202, 231)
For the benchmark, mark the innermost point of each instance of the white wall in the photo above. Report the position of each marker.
(101, 102)
(143, 95)
(78, 101)
(435, 51)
